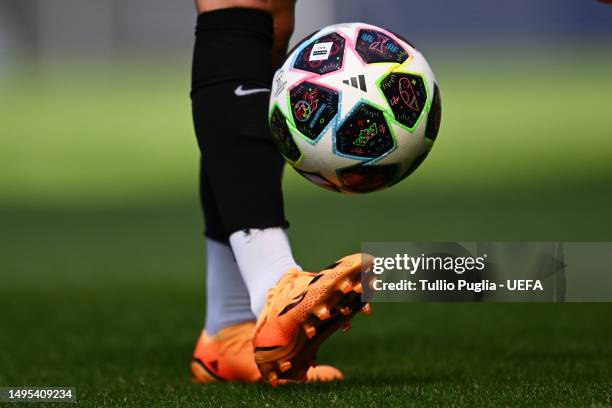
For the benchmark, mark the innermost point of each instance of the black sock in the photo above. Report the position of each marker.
(241, 167)
(233, 44)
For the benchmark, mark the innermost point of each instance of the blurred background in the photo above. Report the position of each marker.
(101, 244)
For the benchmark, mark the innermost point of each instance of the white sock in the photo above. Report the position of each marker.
(227, 298)
(263, 256)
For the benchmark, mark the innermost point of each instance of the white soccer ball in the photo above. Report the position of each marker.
(354, 108)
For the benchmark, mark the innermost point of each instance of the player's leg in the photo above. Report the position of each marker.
(244, 168)
(231, 81)
(236, 155)
(223, 350)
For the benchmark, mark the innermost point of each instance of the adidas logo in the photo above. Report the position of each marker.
(356, 82)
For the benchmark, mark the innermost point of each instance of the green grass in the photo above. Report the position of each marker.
(101, 251)
(111, 302)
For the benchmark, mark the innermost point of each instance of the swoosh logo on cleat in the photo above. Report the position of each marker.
(296, 301)
(239, 91)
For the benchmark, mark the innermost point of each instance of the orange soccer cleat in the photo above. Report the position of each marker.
(303, 309)
(229, 356)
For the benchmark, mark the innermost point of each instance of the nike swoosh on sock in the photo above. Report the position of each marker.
(240, 91)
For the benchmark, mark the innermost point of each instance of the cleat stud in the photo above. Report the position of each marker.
(322, 312)
(310, 330)
(367, 309)
(346, 311)
(357, 288)
(345, 286)
(346, 326)
(273, 379)
(284, 366)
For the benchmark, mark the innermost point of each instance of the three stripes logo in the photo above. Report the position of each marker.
(356, 82)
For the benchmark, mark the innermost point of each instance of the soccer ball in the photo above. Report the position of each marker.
(354, 108)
